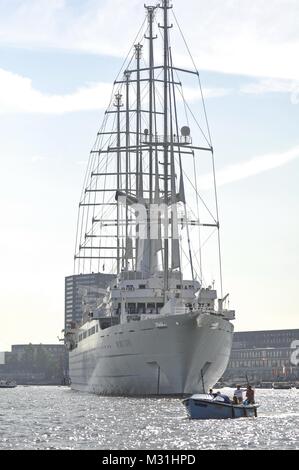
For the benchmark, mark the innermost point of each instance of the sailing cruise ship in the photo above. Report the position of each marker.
(158, 327)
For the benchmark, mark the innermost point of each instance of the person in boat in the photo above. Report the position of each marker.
(212, 394)
(238, 395)
(249, 396)
(225, 398)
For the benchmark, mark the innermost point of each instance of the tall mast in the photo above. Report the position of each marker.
(127, 77)
(151, 13)
(118, 105)
(175, 246)
(165, 7)
(138, 49)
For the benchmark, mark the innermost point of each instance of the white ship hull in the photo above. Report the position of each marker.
(165, 355)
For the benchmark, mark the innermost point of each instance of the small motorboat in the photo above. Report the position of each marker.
(207, 407)
(8, 384)
(282, 385)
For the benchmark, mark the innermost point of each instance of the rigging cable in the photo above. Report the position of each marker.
(199, 81)
(92, 158)
(213, 158)
(198, 216)
(181, 168)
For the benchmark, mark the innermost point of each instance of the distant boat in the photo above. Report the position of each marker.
(8, 384)
(205, 407)
(282, 385)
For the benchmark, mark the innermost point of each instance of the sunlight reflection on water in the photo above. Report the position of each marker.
(58, 418)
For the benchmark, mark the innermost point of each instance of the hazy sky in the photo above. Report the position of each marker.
(58, 59)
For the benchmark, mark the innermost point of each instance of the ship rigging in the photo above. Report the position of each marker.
(139, 158)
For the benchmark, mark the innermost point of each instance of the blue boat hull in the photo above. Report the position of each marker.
(205, 409)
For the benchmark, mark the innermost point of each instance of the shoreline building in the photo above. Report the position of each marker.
(264, 356)
(83, 293)
(35, 364)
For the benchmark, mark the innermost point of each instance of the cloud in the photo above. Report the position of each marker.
(250, 37)
(271, 86)
(252, 167)
(17, 95)
(194, 94)
(38, 159)
(243, 37)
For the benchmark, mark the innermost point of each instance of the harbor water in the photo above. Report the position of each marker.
(59, 418)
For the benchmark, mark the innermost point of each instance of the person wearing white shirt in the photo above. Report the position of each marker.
(238, 395)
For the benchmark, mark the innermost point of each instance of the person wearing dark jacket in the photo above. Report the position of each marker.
(225, 398)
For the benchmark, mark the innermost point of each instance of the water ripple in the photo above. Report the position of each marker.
(58, 418)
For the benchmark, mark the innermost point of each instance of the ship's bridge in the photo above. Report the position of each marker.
(142, 293)
(133, 280)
